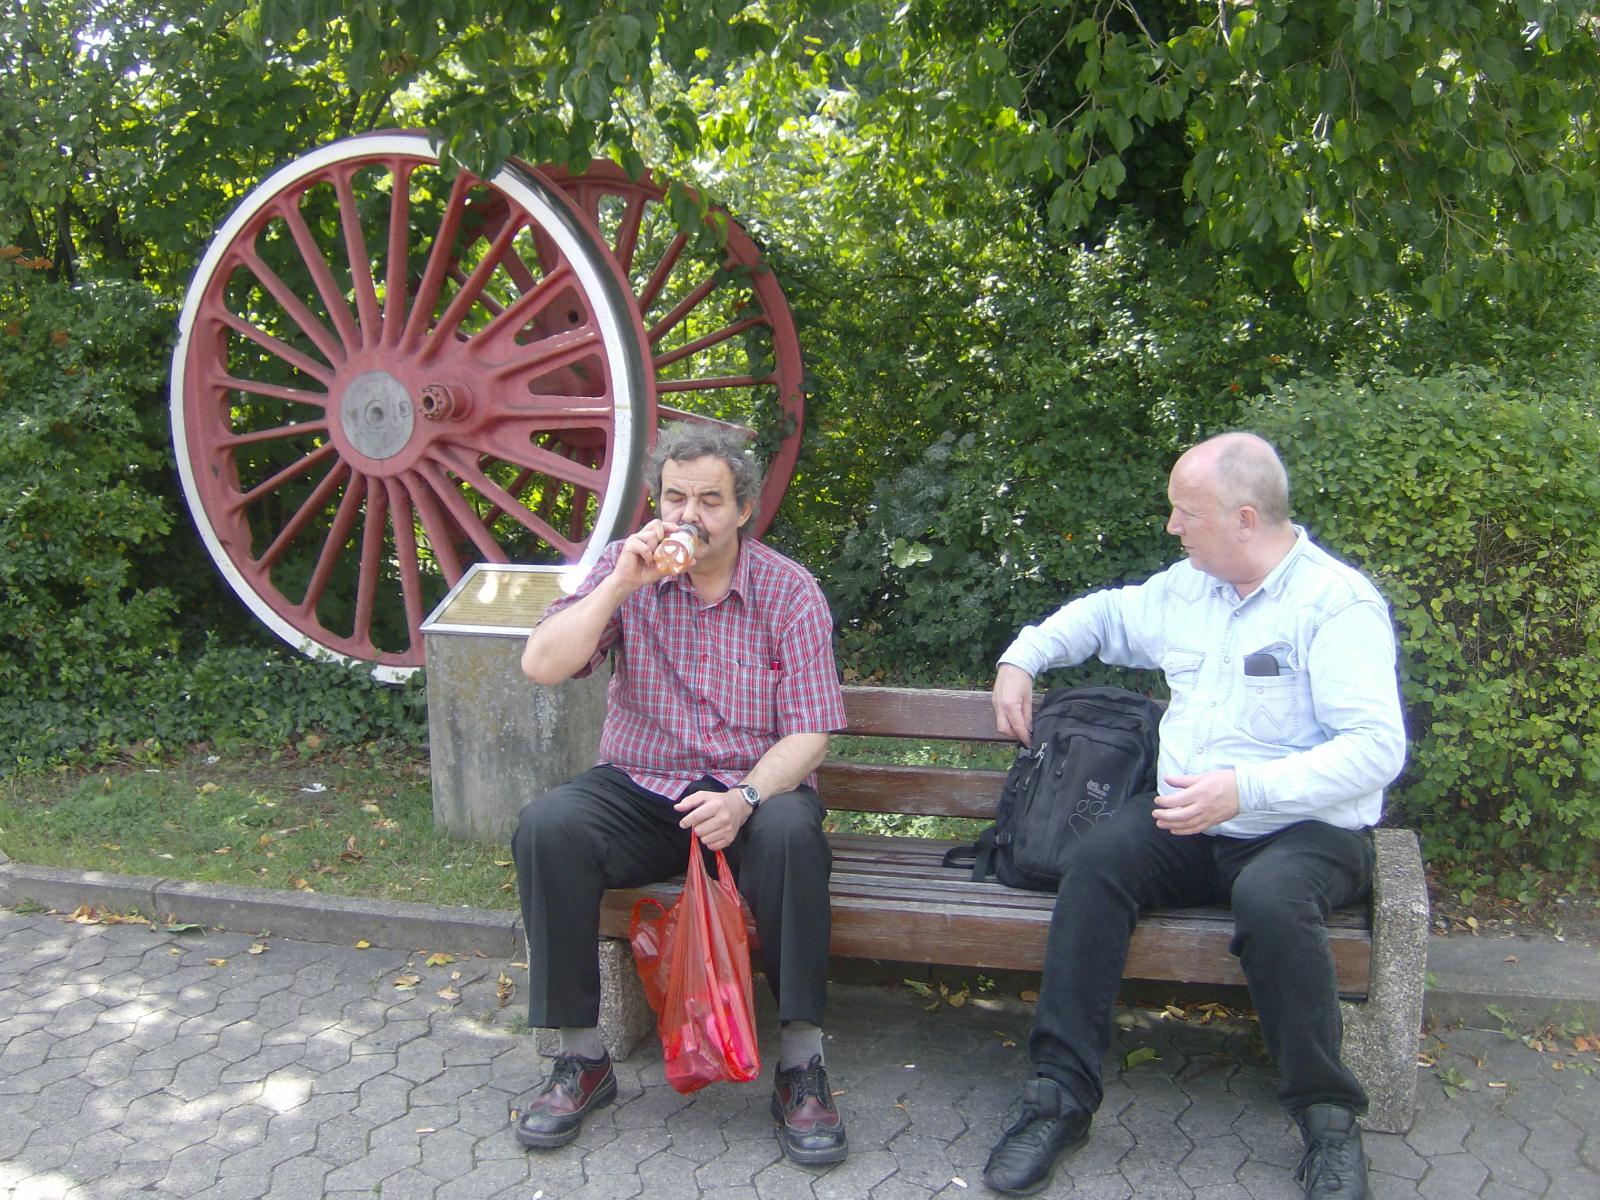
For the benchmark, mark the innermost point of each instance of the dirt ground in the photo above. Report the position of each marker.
(1573, 917)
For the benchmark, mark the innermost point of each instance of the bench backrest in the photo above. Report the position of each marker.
(925, 791)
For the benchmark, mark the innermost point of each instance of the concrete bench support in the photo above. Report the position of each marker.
(1381, 1033)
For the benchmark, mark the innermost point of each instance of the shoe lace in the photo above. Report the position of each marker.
(1328, 1162)
(566, 1073)
(810, 1081)
(1030, 1127)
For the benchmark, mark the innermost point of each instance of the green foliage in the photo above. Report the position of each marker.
(1006, 447)
(1442, 149)
(76, 619)
(93, 647)
(126, 129)
(1471, 501)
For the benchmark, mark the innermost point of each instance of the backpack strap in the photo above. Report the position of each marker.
(979, 855)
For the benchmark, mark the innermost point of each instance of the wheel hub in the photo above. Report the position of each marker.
(377, 414)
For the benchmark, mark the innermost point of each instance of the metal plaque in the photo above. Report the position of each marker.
(500, 598)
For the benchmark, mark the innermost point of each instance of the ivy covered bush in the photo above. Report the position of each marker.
(109, 608)
(1474, 504)
(1008, 448)
(77, 622)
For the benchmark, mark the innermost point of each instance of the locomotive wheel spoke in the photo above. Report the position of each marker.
(309, 508)
(334, 544)
(683, 308)
(256, 436)
(397, 261)
(293, 307)
(333, 302)
(355, 249)
(293, 471)
(704, 343)
(279, 349)
(658, 277)
(471, 291)
(461, 513)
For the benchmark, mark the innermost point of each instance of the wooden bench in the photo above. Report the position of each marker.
(893, 899)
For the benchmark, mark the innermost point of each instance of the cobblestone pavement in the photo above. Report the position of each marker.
(138, 1062)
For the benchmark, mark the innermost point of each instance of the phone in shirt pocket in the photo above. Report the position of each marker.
(1271, 694)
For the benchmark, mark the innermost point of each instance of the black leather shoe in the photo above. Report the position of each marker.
(811, 1131)
(1050, 1121)
(1334, 1166)
(576, 1087)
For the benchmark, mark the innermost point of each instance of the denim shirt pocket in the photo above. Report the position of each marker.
(1272, 708)
(1181, 666)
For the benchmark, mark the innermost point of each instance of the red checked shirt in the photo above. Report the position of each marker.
(707, 689)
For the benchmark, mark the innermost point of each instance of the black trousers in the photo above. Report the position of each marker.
(1281, 887)
(602, 831)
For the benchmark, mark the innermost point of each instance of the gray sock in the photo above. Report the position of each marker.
(798, 1043)
(585, 1043)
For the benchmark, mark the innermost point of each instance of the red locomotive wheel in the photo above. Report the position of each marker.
(721, 338)
(385, 373)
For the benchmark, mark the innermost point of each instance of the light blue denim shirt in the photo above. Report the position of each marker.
(1321, 739)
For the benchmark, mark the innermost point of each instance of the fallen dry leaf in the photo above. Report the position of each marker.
(449, 993)
(1509, 958)
(217, 962)
(439, 960)
(207, 788)
(1030, 996)
(407, 981)
(504, 989)
(257, 948)
(363, 944)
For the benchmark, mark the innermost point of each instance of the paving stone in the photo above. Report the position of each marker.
(1453, 1175)
(302, 1072)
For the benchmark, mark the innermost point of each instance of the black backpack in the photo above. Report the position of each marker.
(1092, 749)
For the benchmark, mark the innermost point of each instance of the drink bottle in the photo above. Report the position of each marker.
(676, 551)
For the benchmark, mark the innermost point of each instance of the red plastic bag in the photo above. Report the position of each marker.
(694, 961)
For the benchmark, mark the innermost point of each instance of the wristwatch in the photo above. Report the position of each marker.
(752, 797)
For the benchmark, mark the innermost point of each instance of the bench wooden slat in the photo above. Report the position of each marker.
(935, 714)
(921, 791)
(1182, 947)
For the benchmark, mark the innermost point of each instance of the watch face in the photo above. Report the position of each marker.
(751, 796)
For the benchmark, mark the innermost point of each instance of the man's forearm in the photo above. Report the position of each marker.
(561, 645)
(785, 766)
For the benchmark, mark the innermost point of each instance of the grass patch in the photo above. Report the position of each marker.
(350, 823)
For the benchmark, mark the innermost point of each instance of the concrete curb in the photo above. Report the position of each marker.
(306, 916)
(1531, 980)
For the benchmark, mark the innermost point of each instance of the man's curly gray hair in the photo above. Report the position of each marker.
(685, 441)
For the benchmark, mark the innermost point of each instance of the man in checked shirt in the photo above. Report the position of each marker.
(718, 712)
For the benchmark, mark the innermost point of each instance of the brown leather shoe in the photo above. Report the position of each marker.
(812, 1131)
(555, 1113)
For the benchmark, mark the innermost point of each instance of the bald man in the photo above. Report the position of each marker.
(1283, 731)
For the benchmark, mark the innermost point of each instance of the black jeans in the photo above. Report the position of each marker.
(602, 831)
(1281, 887)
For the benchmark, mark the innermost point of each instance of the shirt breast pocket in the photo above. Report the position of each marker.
(1272, 708)
(1182, 669)
(748, 697)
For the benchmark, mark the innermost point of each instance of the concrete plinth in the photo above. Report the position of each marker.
(495, 739)
(625, 1015)
(1381, 1033)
